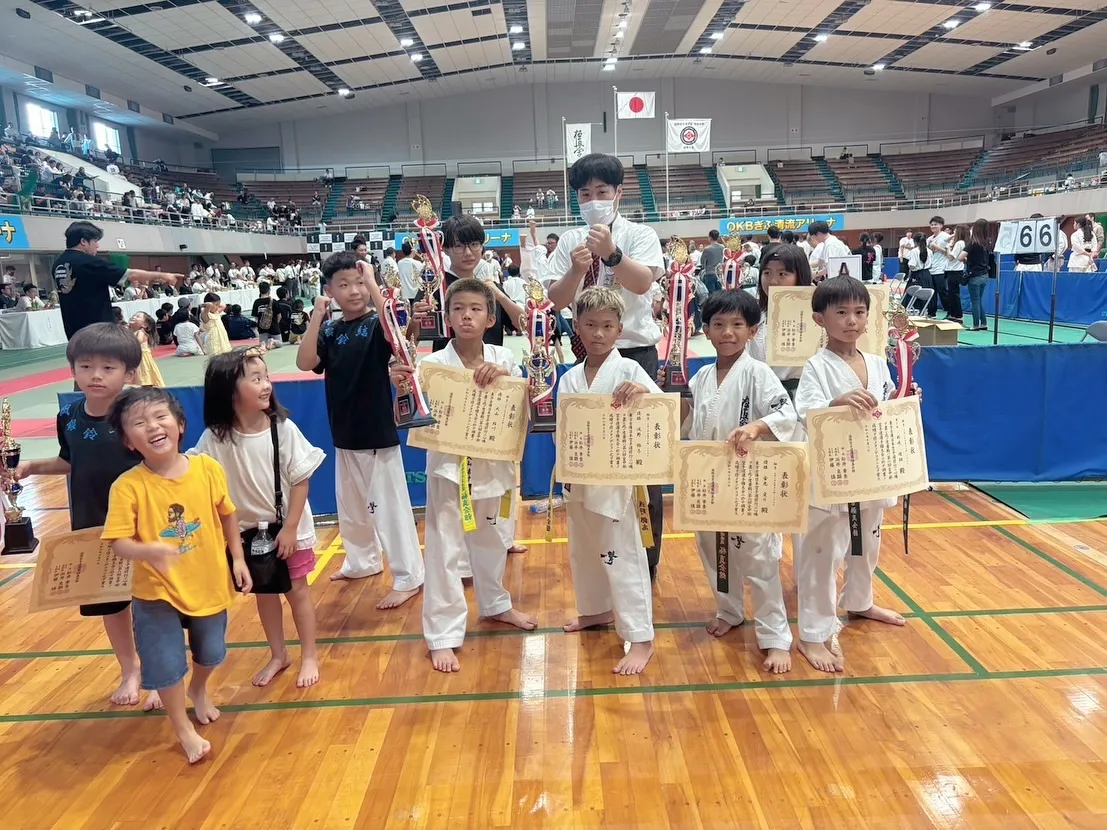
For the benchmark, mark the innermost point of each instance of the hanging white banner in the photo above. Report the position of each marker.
(688, 135)
(578, 141)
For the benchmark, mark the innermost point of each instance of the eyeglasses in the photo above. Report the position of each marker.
(474, 247)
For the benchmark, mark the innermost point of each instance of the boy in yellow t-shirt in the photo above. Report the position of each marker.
(172, 515)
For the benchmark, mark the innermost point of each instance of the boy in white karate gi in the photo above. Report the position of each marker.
(840, 375)
(611, 576)
(471, 308)
(740, 399)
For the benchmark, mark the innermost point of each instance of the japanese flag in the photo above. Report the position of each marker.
(635, 104)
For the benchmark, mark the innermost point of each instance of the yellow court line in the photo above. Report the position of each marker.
(324, 559)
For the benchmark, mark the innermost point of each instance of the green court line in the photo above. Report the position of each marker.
(12, 578)
(554, 694)
(1027, 546)
(933, 625)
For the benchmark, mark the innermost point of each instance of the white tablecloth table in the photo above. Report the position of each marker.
(35, 329)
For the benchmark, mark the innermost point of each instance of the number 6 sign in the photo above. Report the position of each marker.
(1028, 236)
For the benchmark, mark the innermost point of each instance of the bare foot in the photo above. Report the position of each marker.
(777, 661)
(517, 619)
(822, 657)
(444, 659)
(153, 702)
(195, 747)
(718, 627)
(339, 574)
(635, 660)
(271, 669)
(206, 712)
(394, 599)
(518, 549)
(309, 672)
(884, 615)
(127, 693)
(585, 621)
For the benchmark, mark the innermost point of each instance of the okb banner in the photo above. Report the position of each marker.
(688, 135)
(799, 222)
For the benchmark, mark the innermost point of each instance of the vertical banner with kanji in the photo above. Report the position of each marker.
(578, 142)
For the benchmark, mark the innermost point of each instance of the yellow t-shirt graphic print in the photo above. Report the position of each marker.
(183, 512)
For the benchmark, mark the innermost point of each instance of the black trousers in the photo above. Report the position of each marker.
(646, 357)
(926, 280)
(951, 294)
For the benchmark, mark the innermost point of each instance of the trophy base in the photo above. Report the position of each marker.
(416, 422)
(674, 380)
(407, 415)
(432, 326)
(19, 537)
(543, 416)
(548, 427)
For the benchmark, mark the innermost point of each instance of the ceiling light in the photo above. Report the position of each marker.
(276, 37)
(622, 24)
(518, 46)
(416, 57)
(716, 35)
(343, 92)
(878, 66)
(405, 42)
(821, 38)
(619, 35)
(609, 68)
(81, 13)
(706, 50)
(982, 7)
(211, 81)
(1025, 46)
(952, 24)
(515, 30)
(611, 61)
(253, 18)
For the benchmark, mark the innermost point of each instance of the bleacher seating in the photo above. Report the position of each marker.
(370, 192)
(929, 173)
(863, 178)
(688, 187)
(801, 180)
(1042, 152)
(433, 187)
(527, 186)
(220, 189)
(301, 193)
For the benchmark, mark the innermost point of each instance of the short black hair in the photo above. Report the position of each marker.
(937, 219)
(838, 291)
(553, 236)
(462, 230)
(818, 227)
(27, 286)
(731, 301)
(340, 261)
(220, 381)
(211, 297)
(792, 259)
(773, 232)
(749, 259)
(865, 239)
(596, 166)
(406, 247)
(389, 252)
(471, 285)
(105, 340)
(263, 288)
(788, 238)
(146, 396)
(79, 232)
(713, 235)
(282, 293)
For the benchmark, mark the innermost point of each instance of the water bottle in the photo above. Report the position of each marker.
(263, 543)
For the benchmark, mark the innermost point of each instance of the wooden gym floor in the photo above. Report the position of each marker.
(986, 710)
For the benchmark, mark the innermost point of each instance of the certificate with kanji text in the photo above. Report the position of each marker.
(78, 568)
(634, 444)
(860, 457)
(794, 336)
(488, 423)
(764, 491)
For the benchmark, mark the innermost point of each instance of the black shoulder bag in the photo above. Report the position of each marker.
(268, 571)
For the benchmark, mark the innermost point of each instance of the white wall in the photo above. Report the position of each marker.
(524, 122)
(1065, 104)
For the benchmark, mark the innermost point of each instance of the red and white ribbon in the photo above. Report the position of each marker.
(904, 360)
(540, 335)
(431, 241)
(680, 298)
(395, 308)
(732, 269)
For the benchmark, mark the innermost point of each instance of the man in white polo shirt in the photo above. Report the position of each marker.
(608, 250)
(825, 245)
(946, 280)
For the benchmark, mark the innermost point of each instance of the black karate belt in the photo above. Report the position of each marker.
(906, 517)
(722, 563)
(855, 529)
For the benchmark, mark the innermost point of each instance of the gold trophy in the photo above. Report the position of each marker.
(536, 322)
(19, 533)
(432, 324)
(729, 270)
(672, 375)
(411, 408)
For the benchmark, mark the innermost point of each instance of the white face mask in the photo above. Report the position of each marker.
(598, 211)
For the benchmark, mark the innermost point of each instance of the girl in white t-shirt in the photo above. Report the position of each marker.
(239, 408)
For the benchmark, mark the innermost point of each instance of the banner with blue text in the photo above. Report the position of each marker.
(798, 223)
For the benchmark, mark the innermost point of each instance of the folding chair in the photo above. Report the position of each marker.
(1098, 331)
(896, 288)
(917, 295)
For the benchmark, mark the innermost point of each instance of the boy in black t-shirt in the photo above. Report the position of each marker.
(267, 314)
(103, 358)
(352, 354)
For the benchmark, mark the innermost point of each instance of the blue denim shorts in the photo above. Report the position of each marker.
(160, 640)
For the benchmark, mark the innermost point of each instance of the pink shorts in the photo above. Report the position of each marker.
(301, 563)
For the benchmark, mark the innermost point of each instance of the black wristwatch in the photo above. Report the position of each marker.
(614, 259)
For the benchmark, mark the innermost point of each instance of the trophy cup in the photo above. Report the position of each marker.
(672, 375)
(904, 352)
(411, 408)
(730, 269)
(540, 366)
(432, 324)
(19, 533)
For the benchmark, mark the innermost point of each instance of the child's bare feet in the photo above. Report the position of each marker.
(444, 659)
(635, 660)
(271, 669)
(518, 549)
(718, 627)
(777, 661)
(394, 599)
(127, 693)
(153, 702)
(821, 656)
(340, 574)
(194, 746)
(585, 621)
(309, 672)
(518, 619)
(206, 712)
(884, 615)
